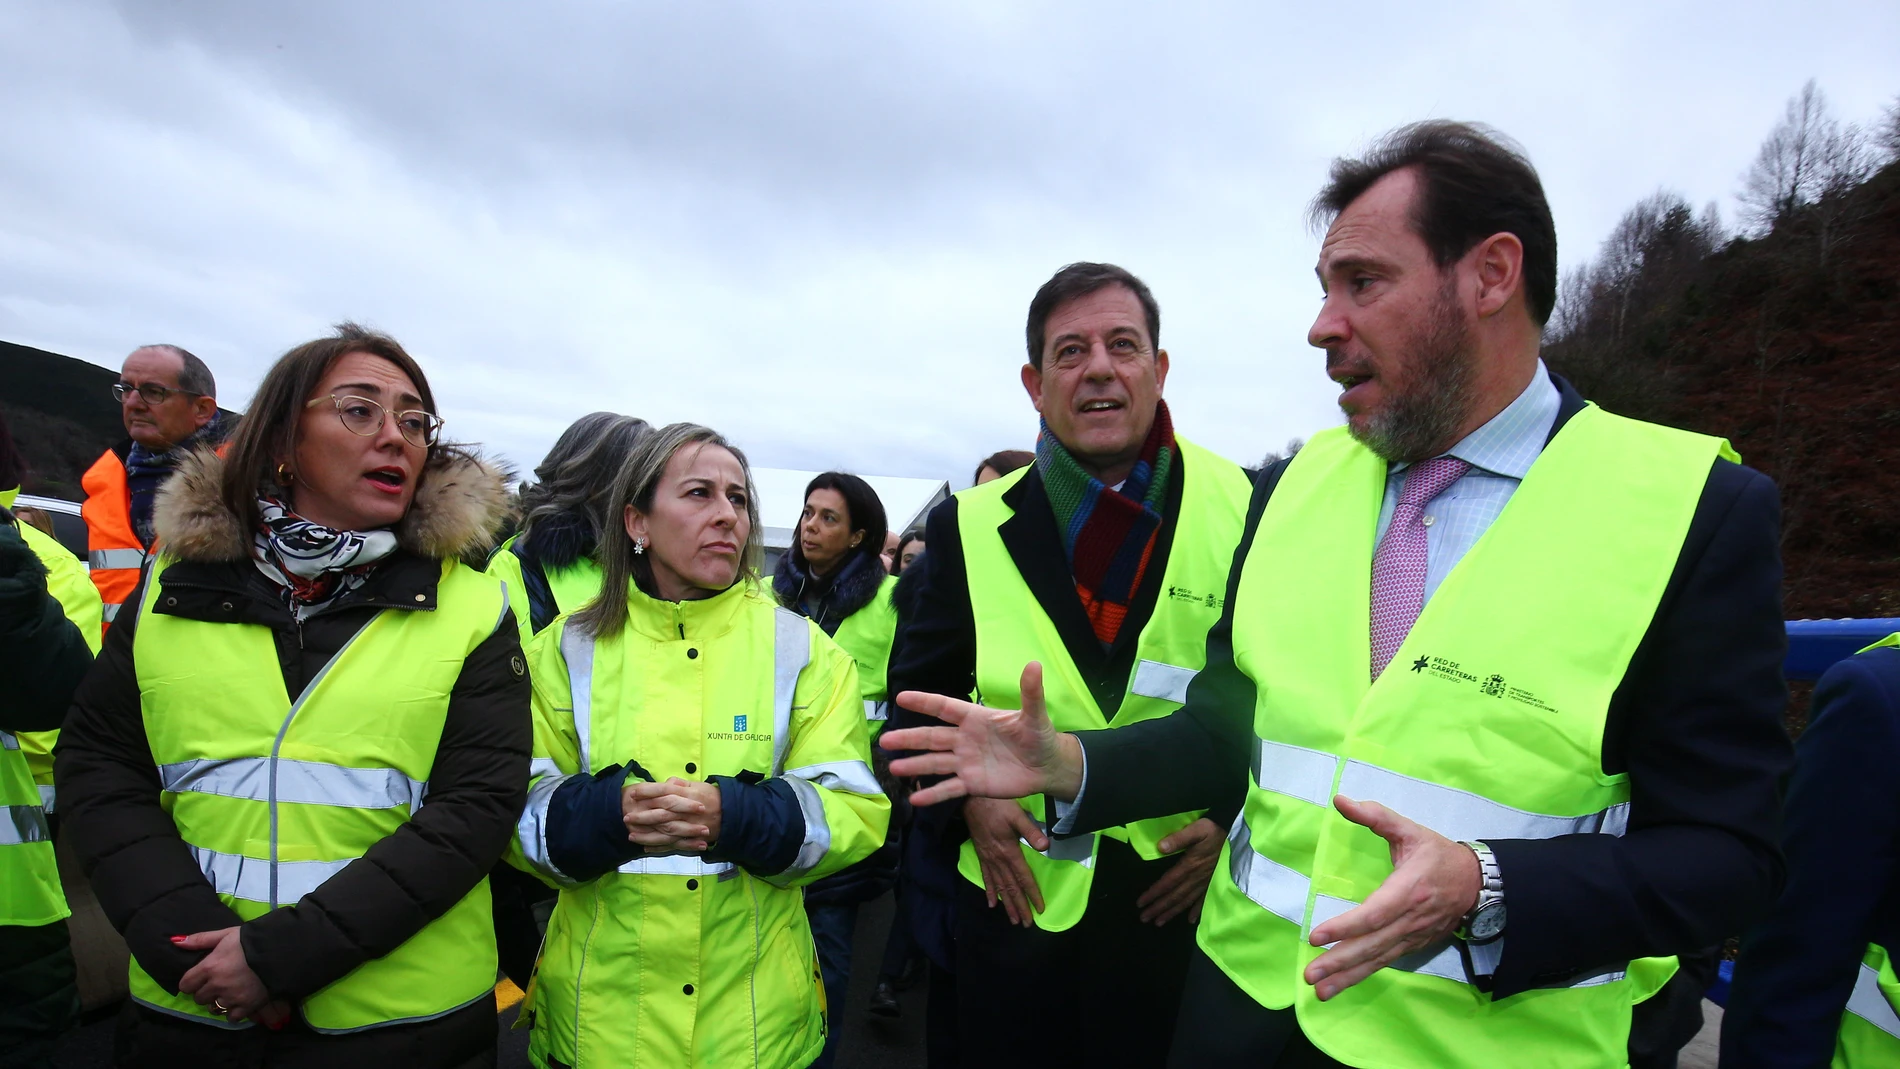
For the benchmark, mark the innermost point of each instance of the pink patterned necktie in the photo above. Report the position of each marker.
(1398, 568)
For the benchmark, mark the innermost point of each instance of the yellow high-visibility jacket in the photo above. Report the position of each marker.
(695, 960)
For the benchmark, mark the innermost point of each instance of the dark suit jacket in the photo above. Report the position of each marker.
(1843, 841)
(937, 650)
(1696, 722)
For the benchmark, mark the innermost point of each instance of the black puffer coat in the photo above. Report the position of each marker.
(145, 876)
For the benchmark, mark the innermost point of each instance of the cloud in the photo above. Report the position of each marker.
(815, 227)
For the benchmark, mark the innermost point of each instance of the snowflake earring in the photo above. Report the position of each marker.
(639, 546)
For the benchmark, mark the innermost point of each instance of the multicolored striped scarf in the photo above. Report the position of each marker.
(1108, 534)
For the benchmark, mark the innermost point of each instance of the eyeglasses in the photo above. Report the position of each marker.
(360, 415)
(152, 392)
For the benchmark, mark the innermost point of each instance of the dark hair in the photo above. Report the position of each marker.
(577, 476)
(1004, 461)
(193, 375)
(1473, 182)
(915, 534)
(1080, 280)
(269, 426)
(12, 467)
(864, 512)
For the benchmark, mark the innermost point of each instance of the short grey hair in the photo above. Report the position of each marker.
(639, 480)
(193, 375)
(577, 476)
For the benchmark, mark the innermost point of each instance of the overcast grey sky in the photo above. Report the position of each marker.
(815, 227)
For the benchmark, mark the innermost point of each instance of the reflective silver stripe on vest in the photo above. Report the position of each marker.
(1295, 771)
(1870, 1004)
(24, 824)
(8, 741)
(502, 617)
(817, 830)
(531, 830)
(1169, 682)
(1458, 814)
(303, 782)
(110, 613)
(116, 558)
(791, 652)
(577, 649)
(249, 878)
(875, 710)
(49, 797)
(853, 776)
(1273, 887)
(675, 865)
(1077, 848)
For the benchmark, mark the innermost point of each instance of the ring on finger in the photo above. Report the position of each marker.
(218, 1004)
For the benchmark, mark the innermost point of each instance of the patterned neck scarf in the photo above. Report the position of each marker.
(1108, 534)
(313, 564)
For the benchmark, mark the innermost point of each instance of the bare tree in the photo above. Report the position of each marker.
(1293, 446)
(1887, 134)
(1787, 172)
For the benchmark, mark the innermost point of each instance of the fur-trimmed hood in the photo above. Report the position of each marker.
(461, 502)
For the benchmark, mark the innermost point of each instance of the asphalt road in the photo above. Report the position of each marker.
(867, 1042)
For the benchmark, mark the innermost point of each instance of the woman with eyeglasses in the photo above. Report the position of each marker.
(700, 755)
(309, 661)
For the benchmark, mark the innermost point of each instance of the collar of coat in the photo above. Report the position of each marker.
(460, 503)
(839, 594)
(697, 620)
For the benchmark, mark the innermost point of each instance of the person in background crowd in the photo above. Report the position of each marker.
(43, 656)
(1103, 561)
(550, 560)
(243, 772)
(1001, 463)
(889, 553)
(1486, 646)
(1816, 983)
(169, 403)
(550, 566)
(67, 581)
(909, 548)
(835, 576)
(701, 754)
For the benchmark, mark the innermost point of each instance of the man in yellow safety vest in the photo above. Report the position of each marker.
(1103, 560)
(1485, 646)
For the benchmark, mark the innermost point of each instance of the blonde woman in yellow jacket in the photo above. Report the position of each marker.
(701, 755)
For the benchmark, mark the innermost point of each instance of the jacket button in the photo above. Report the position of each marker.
(692, 654)
(688, 989)
(692, 885)
(422, 597)
(171, 603)
(691, 767)
(226, 606)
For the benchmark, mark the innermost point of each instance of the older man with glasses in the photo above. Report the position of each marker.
(169, 402)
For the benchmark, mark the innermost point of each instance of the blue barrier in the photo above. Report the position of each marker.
(1814, 645)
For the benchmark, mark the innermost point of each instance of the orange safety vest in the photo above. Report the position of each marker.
(113, 548)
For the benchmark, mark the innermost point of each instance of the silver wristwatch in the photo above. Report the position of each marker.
(1485, 922)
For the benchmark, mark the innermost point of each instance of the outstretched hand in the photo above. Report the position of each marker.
(1434, 883)
(988, 753)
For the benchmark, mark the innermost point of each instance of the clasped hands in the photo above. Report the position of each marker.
(675, 817)
(224, 981)
(1015, 753)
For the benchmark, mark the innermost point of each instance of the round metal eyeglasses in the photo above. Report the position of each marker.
(360, 415)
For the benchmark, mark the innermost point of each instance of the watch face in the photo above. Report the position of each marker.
(1488, 923)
